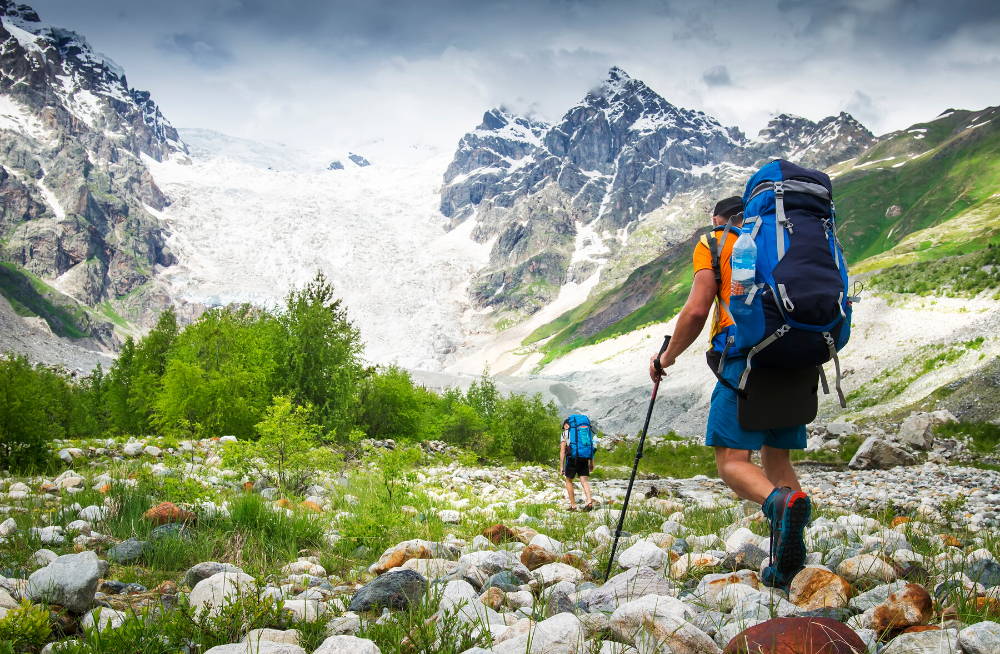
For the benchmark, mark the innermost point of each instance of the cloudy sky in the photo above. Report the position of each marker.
(339, 72)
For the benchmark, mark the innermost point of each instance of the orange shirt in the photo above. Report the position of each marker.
(703, 261)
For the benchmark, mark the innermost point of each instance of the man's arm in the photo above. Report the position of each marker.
(691, 319)
(562, 454)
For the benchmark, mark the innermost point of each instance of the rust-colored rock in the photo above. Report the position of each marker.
(988, 605)
(499, 534)
(401, 553)
(816, 588)
(166, 588)
(918, 628)
(911, 606)
(900, 520)
(309, 505)
(797, 636)
(493, 598)
(103, 490)
(166, 512)
(534, 556)
(575, 561)
(524, 534)
(248, 486)
(950, 541)
(282, 503)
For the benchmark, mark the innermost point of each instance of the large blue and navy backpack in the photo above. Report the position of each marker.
(798, 312)
(581, 440)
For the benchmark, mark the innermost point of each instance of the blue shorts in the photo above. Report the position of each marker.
(724, 430)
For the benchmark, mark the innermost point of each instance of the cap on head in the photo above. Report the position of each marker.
(728, 207)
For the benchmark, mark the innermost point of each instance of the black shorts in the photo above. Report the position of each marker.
(576, 466)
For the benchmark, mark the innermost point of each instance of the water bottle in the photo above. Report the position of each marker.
(744, 265)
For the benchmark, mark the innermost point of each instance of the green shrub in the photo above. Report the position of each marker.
(529, 427)
(391, 406)
(287, 452)
(25, 627)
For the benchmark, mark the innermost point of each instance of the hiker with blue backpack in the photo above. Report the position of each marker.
(576, 457)
(775, 272)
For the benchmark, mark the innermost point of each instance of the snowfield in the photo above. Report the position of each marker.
(246, 228)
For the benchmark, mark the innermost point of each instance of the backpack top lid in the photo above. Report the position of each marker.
(577, 420)
(780, 170)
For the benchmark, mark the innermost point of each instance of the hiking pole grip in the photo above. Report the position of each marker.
(635, 464)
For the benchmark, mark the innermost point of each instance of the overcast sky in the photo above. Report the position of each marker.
(332, 72)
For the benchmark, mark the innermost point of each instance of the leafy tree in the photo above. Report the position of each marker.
(220, 373)
(484, 397)
(528, 427)
(320, 360)
(391, 406)
(32, 412)
(287, 452)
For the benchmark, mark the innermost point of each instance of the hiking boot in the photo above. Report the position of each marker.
(788, 512)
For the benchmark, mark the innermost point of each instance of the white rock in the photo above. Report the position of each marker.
(70, 580)
(93, 513)
(980, 638)
(449, 516)
(305, 609)
(303, 567)
(102, 619)
(345, 625)
(42, 558)
(132, 449)
(6, 601)
(944, 641)
(551, 573)
(51, 535)
(741, 537)
(546, 543)
(643, 553)
(347, 645)
(866, 565)
(563, 633)
(658, 621)
(7, 527)
(289, 637)
(213, 593)
(79, 526)
(260, 647)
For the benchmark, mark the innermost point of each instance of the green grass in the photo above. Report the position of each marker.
(965, 275)
(983, 437)
(893, 381)
(841, 456)
(680, 459)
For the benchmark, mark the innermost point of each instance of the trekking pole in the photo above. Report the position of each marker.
(635, 466)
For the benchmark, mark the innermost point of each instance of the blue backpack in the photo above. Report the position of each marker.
(798, 312)
(581, 440)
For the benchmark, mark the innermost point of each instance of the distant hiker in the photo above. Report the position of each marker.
(576, 457)
(767, 411)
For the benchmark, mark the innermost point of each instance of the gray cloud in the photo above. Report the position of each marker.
(202, 51)
(717, 76)
(425, 71)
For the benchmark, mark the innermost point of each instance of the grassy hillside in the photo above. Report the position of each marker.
(926, 193)
(652, 293)
(31, 296)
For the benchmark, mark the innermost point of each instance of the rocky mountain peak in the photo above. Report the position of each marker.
(815, 144)
(14, 10)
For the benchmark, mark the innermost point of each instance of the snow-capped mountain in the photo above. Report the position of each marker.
(76, 193)
(558, 202)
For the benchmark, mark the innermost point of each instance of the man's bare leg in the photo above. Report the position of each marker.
(778, 468)
(746, 479)
(569, 491)
(585, 482)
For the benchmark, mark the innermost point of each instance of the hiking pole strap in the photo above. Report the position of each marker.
(831, 345)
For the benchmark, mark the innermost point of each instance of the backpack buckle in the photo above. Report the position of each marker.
(779, 188)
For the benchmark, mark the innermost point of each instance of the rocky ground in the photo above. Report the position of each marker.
(156, 546)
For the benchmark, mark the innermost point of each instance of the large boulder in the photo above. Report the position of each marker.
(937, 641)
(400, 553)
(878, 453)
(980, 638)
(816, 587)
(206, 569)
(627, 586)
(643, 553)
(908, 607)
(656, 620)
(917, 431)
(347, 645)
(797, 636)
(70, 581)
(212, 594)
(563, 633)
(392, 590)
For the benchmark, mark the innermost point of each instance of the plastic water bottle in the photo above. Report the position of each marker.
(744, 265)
